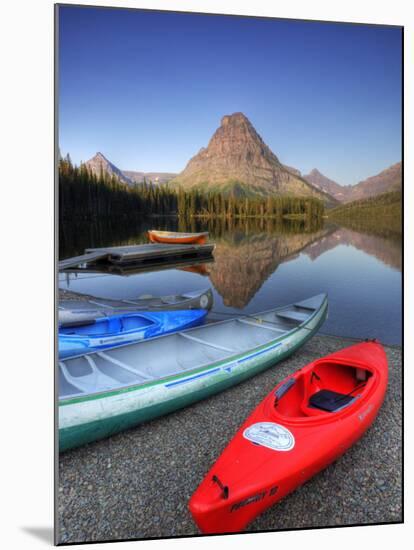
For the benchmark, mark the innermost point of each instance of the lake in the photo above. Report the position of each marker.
(261, 265)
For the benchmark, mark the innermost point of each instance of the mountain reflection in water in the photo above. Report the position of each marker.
(261, 265)
(384, 249)
(242, 265)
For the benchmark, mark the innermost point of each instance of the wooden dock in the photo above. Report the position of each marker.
(80, 260)
(139, 255)
(190, 264)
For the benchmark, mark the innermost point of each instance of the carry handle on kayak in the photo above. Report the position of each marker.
(224, 488)
(280, 392)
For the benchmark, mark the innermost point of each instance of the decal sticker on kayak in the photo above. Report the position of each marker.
(115, 339)
(270, 435)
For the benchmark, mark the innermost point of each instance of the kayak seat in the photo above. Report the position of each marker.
(330, 401)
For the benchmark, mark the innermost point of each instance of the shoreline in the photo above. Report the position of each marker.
(137, 484)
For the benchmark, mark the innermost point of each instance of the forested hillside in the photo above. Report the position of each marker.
(84, 195)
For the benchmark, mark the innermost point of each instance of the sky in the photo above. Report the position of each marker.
(148, 89)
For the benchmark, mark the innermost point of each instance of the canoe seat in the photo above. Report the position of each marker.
(293, 316)
(330, 401)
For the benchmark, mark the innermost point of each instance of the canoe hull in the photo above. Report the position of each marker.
(276, 474)
(85, 420)
(78, 312)
(161, 237)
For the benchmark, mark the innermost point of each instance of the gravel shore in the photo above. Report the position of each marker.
(137, 484)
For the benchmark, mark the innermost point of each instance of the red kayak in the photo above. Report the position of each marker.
(305, 423)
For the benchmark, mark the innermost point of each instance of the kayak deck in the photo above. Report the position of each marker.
(177, 353)
(118, 330)
(111, 325)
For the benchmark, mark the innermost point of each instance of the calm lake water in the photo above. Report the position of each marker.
(257, 267)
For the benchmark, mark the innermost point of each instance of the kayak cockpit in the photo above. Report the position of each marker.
(327, 388)
(109, 325)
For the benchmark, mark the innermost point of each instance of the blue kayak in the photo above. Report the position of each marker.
(116, 330)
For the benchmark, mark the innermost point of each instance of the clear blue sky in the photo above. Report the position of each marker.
(148, 89)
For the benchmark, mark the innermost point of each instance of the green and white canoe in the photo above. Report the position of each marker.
(103, 393)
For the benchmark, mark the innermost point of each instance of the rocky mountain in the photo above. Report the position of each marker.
(388, 180)
(99, 163)
(237, 160)
(154, 177)
(325, 184)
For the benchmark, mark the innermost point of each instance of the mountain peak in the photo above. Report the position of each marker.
(99, 163)
(101, 159)
(238, 161)
(315, 172)
(387, 180)
(100, 156)
(235, 119)
(320, 181)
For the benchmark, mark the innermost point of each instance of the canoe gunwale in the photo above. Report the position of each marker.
(206, 367)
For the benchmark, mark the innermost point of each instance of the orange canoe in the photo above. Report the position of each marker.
(173, 237)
